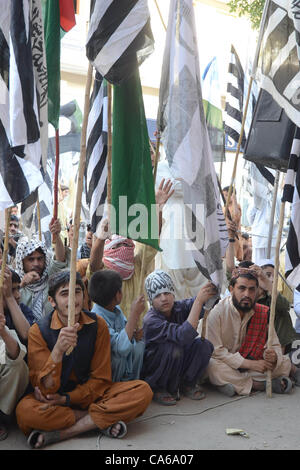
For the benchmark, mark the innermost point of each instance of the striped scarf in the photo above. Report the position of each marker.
(256, 336)
(119, 258)
(38, 289)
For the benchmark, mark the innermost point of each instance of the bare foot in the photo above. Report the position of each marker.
(115, 429)
(40, 441)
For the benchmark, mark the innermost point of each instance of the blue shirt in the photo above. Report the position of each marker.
(126, 355)
(176, 329)
(116, 322)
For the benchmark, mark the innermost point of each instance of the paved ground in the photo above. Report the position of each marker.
(271, 423)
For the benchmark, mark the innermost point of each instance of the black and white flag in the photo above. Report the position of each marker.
(119, 37)
(182, 123)
(258, 181)
(23, 101)
(291, 193)
(278, 66)
(96, 152)
(29, 211)
(234, 98)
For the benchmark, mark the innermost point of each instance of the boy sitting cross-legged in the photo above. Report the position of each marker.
(73, 392)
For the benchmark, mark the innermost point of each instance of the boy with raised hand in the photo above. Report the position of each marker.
(18, 316)
(127, 347)
(74, 393)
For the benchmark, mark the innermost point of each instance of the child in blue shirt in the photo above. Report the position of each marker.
(127, 347)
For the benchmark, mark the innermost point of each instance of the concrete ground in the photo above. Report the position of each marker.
(271, 424)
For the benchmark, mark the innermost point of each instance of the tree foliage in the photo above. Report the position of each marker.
(253, 9)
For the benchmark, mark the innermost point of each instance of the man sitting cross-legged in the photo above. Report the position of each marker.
(74, 393)
(238, 328)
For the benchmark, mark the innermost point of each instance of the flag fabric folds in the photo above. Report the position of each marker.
(96, 152)
(234, 98)
(59, 17)
(211, 93)
(23, 101)
(132, 188)
(181, 121)
(119, 40)
(29, 215)
(119, 36)
(278, 66)
(291, 193)
(258, 182)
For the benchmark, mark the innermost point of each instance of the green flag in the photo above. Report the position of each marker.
(59, 17)
(133, 195)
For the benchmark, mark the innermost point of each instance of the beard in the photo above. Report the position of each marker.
(239, 306)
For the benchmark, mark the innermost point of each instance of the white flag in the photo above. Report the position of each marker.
(182, 123)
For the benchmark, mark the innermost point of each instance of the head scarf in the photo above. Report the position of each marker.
(158, 282)
(26, 247)
(120, 259)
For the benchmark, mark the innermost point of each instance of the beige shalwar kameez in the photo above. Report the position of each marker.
(14, 376)
(227, 330)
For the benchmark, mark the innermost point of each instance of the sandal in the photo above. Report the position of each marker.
(50, 437)
(164, 398)
(194, 393)
(123, 431)
(277, 386)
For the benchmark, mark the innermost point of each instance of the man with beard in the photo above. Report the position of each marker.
(34, 265)
(238, 328)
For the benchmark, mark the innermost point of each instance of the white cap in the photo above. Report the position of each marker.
(265, 262)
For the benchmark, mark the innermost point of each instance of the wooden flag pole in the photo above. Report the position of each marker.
(160, 15)
(5, 251)
(204, 322)
(38, 213)
(274, 201)
(109, 147)
(156, 156)
(81, 168)
(55, 189)
(274, 296)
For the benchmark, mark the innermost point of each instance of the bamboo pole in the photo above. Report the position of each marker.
(160, 15)
(156, 156)
(204, 322)
(5, 251)
(143, 262)
(55, 189)
(274, 201)
(76, 219)
(274, 296)
(221, 171)
(109, 146)
(38, 213)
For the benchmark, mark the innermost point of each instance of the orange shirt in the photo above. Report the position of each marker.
(40, 363)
